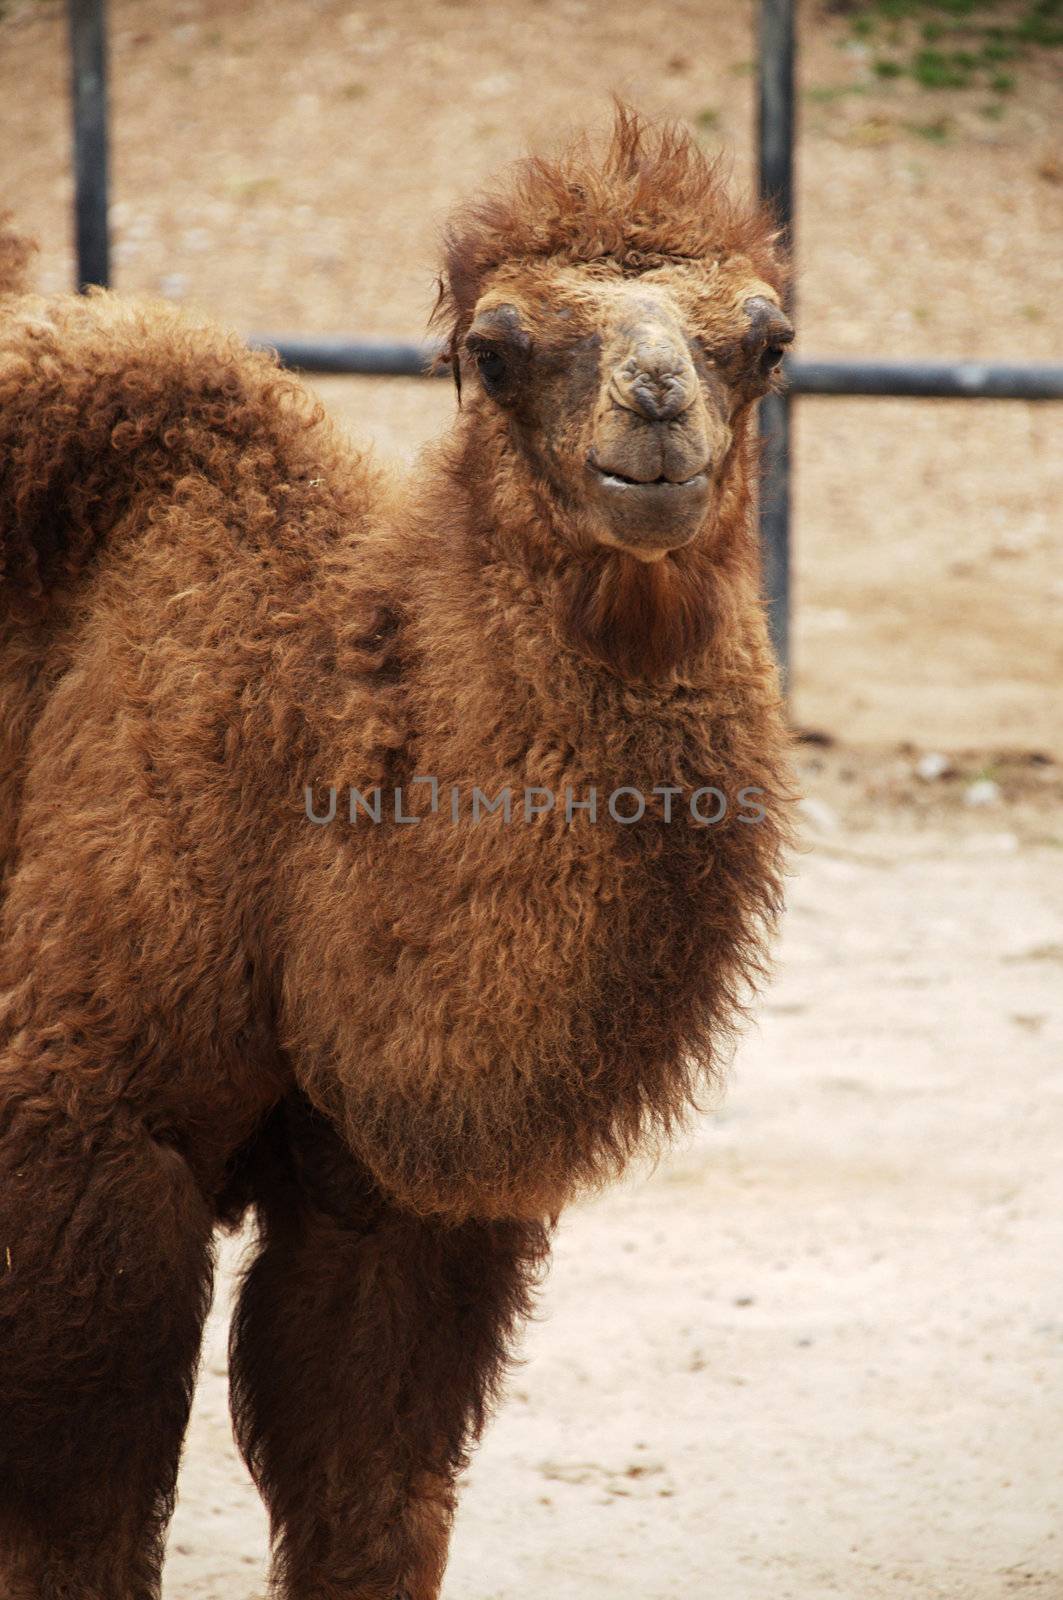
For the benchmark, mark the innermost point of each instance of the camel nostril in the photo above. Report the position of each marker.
(659, 399)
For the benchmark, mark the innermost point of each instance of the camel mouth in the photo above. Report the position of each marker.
(617, 481)
(649, 516)
(620, 482)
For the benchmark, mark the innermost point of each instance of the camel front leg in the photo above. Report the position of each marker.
(367, 1346)
(105, 1276)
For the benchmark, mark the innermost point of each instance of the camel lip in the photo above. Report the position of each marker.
(617, 483)
(648, 520)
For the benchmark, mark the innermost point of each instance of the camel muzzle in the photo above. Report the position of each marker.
(650, 463)
(650, 518)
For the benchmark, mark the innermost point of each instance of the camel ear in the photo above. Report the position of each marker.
(769, 331)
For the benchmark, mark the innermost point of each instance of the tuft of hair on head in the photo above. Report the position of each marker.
(16, 252)
(645, 194)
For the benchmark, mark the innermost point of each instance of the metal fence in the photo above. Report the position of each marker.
(955, 380)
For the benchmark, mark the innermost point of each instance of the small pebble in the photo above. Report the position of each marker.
(931, 766)
(983, 793)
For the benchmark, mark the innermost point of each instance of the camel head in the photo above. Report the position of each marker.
(622, 391)
(613, 317)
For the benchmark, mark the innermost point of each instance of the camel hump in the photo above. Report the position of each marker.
(109, 408)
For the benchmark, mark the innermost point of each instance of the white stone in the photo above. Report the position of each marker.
(983, 793)
(931, 766)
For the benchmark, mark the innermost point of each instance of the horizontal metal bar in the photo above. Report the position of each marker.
(926, 380)
(377, 358)
(930, 380)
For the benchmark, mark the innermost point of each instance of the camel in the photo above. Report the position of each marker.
(362, 856)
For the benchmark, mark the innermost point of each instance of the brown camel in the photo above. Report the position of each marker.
(228, 644)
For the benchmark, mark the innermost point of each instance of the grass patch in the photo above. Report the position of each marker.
(951, 44)
(935, 69)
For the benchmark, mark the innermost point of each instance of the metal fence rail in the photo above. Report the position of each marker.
(939, 380)
(369, 358)
(927, 380)
(920, 380)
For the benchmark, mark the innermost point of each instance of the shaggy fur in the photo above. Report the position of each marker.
(405, 1045)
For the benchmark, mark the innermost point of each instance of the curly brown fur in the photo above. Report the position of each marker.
(105, 1273)
(16, 253)
(651, 196)
(405, 1045)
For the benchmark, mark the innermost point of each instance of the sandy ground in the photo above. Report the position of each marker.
(818, 1351)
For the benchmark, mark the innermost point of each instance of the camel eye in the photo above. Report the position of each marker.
(492, 368)
(764, 342)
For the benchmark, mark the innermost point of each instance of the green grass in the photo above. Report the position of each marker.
(950, 44)
(936, 69)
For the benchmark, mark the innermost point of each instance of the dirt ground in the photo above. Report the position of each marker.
(819, 1350)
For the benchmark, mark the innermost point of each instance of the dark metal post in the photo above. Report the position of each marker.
(88, 60)
(775, 414)
(775, 182)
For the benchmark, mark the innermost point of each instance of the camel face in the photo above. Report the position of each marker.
(623, 390)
